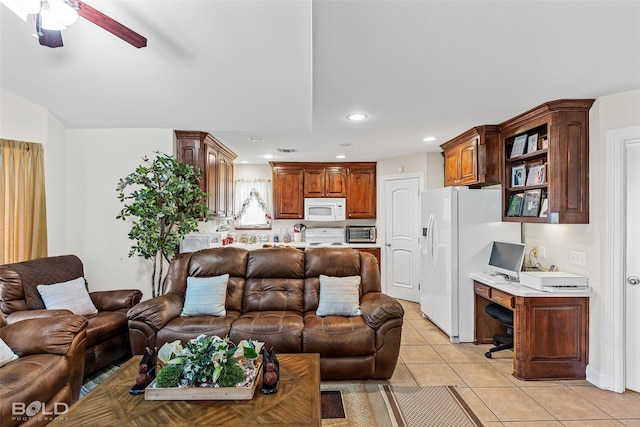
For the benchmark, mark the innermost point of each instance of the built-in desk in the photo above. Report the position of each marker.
(550, 330)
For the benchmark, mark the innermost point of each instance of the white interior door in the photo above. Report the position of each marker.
(632, 287)
(402, 236)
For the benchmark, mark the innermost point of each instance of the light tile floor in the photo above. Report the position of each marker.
(427, 357)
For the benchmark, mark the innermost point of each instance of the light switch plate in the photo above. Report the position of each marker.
(578, 258)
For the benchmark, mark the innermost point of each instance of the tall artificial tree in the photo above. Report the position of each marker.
(165, 202)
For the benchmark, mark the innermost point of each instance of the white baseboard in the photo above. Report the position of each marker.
(600, 379)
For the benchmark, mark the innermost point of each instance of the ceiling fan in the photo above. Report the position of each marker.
(53, 16)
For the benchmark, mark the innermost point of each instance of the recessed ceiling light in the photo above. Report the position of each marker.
(346, 144)
(341, 156)
(429, 139)
(268, 156)
(244, 161)
(255, 139)
(356, 117)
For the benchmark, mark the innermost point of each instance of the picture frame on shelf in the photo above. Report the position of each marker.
(536, 175)
(518, 175)
(531, 202)
(532, 143)
(544, 142)
(518, 147)
(544, 208)
(514, 206)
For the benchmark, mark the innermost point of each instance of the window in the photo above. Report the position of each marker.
(253, 204)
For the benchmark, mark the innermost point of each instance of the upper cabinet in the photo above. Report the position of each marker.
(473, 158)
(215, 162)
(293, 181)
(288, 197)
(546, 164)
(325, 181)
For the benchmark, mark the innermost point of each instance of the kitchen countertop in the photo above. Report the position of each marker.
(251, 246)
(515, 288)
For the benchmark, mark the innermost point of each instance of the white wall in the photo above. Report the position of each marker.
(96, 160)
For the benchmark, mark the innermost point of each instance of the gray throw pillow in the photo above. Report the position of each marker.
(206, 296)
(339, 296)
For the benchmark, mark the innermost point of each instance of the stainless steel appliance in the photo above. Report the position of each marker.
(361, 234)
(324, 237)
(325, 209)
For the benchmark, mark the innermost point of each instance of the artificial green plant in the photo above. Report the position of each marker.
(165, 202)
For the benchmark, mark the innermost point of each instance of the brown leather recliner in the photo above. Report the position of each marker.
(272, 296)
(107, 330)
(49, 368)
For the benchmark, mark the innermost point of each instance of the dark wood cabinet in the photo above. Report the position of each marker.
(361, 199)
(293, 181)
(550, 333)
(215, 162)
(374, 251)
(288, 197)
(556, 151)
(473, 158)
(325, 182)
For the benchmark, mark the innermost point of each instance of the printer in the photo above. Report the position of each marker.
(555, 281)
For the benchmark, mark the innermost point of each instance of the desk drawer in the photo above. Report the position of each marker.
(482, 290)
(502, 298)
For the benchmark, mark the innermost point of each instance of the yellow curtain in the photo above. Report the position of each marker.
(22, 201)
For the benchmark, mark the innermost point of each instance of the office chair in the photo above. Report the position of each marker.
(505, 316)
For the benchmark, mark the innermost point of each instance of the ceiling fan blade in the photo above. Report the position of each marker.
(49, 38)
(111, 25)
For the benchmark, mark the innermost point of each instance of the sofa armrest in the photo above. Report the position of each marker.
(377, 308)
(157, 312)
(17, 316)
(44, 335)
(115, 300)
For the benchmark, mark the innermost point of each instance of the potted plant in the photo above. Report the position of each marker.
(165, 202)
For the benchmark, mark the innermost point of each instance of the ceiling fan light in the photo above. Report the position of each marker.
(63, 12)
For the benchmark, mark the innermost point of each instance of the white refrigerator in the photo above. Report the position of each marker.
(458, 225)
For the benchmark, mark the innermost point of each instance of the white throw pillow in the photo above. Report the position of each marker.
(71, 295)
(206, 296)
(339, 296)
(6, 354)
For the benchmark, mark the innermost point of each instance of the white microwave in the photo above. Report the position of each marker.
(325, 209)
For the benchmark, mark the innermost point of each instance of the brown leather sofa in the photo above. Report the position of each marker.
(107, 330)
(272, 296)
(46, 378)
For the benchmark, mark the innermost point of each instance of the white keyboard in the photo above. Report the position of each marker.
(491, 279)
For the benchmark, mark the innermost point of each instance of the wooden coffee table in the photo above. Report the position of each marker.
(297, 402)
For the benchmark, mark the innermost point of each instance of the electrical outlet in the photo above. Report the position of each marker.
(542, 252)
(578, 258)
(534, 250)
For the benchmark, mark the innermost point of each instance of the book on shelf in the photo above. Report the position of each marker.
(532, 143)
(518, 145)
(536, 175)
(514, 206)
(544, 208)
(531, 202)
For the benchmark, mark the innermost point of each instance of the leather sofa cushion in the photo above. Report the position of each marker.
(337, 336)
(105, 324)
(34, 377)
(332, 262)
(285, 263)
(273, 294)
(186, 328)
(281, 330)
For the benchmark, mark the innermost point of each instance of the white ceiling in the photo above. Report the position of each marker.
(290, 72)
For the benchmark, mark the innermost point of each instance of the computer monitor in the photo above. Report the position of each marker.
(506, 258)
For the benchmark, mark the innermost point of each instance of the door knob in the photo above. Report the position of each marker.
(387, 244)
(633, 280)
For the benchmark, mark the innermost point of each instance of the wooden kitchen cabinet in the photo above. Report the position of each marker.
(288, 196)
(361, 198)
(473, 158)
(215, 162)
(325, 181)
(293, 181)
(560, 146)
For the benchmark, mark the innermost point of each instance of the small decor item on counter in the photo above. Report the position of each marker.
(244, 238)
(275, 238)
(146, 371)
(270, 372)
(253, 239)
(286, 238)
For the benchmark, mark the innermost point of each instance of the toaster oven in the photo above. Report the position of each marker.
(361, 234)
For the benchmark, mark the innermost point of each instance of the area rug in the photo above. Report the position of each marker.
(355, 405)
(414, 406)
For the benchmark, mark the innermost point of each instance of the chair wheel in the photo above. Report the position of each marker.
(487, 355)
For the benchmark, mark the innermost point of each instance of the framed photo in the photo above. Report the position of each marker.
(532, 143)
(544, 142)
(544, 208)
(536, 175)
(518, 145)
(518, 175)
(515, 205)
(531, 202)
